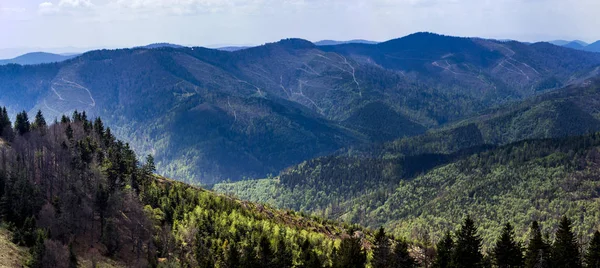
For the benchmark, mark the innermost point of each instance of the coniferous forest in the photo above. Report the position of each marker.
(422, 151)
(70, 191)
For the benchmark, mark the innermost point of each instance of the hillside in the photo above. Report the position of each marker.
(521, 182)
(75, 196)
(413, 184)
(37, 58)
(210, 115)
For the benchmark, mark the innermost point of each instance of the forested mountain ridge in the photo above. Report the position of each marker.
(71, 192)
(520, 182)
(203, 112)
(76, 197)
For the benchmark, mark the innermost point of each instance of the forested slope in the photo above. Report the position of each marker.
(72, 193)
(209, 115)
(519, 183)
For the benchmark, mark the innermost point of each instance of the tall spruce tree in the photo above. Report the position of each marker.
(381, 250)
(5, 123)
(400, 257)
(538, 251)
(39, 122)
(507, 253)
(467, 252)
(284, 256)
(565, 250)
(310, 259)
(350, 254)
(592, 256)
(445, 247)
(22, 125)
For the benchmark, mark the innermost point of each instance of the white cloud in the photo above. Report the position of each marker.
(178, 7)
(47, 8)
(68, 7)
(75, 4)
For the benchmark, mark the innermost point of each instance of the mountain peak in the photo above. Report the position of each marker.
(295, 43)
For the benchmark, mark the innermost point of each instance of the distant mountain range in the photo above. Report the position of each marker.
(38, 58)
(578, 44)
(333, 42)
(210, 115)
(161, 45)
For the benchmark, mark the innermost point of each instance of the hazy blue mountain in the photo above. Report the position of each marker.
(232, 48)
(559, 42)
(565, 42)
(574, 45)
(37, 58)
(162, 45)
(209, 115)
(593, 47)
(333, 42)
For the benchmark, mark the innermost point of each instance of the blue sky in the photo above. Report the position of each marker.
(124, 23)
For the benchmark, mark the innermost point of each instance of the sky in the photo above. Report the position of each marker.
(77, 24)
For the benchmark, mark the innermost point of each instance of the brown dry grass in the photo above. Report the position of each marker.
(11, 255)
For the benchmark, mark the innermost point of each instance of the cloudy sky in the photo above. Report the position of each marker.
(123, 23)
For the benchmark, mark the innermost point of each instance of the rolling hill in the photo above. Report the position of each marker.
(37, 58)
(539, 151)
(210, 115)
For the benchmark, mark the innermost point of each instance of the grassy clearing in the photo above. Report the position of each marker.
(11, 255)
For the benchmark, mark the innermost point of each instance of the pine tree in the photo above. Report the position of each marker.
(381, 250)
(445, 247)
(5, 124)
(39, 122)
(69, 132)
(467, 252)
(538, 251)
(592, 256)
(350, 254)
(565, 251)
(249, 257)
(266, 254)
(22, 125)
(310, 259)
(73, 263)
(283, 256)
(507, 253)
(400, 257)
(233, 256)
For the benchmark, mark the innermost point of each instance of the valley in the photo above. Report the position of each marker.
(295, 154)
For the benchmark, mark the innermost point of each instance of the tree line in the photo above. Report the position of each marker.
(71, 186)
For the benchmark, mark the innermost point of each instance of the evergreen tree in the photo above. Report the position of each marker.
(283, 256)
(565, 251)
(350, 254)
(445, 247)
(381, 250)
(73, 263)
(310, 259)
(149, 167)
(65, 119)
(38, 250)
(507, 253)
(39, 122)
(22, 124)
(592, 256)
(401, 258)
(69, 132)
(266, 254)
(467, 252)
(233, 256)
(99, 127)
(5, 124)
(249, 257)
(538, 251)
